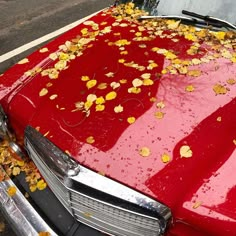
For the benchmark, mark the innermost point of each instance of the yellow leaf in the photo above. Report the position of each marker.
(233, 59)
(20, 163)
(54, 96)
(134, 90)
(16, 171)
(160, 105)
(197, 204)
(226, 54)
(43, 92)
(91, 83)
(185, 151)
(191, 37)
(194, 73)
(53, 56)
(220, 35)
(100, 107)
(231, 81)
(60, 65)
(11, 191)
(90, 140)
(196, 61)
(234, 141)
(110, 96)
(100, 100)
(118, 109)
(165, 158)
(115, 85)
(110, 74)
(92, 97)
(219, 118)
(44, 234)
(152, 66)
(85, 78)
(87, 105)
(219, 89)
(145, 152)
(159, 115)
(123, 81)
(148, 82)
(171, 24)
(169, 55)
(146, 76)
(102, 86)
(23, 61)
(131, 120)
(42, 50)
(189, 88)
(84, 31)
(137, 82)
(41, 185)
(121, 60)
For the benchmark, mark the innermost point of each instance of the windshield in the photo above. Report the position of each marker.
(223, 9)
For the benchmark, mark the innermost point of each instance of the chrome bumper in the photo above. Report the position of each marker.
(20, 214)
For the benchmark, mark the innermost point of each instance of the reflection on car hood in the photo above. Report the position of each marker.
(147, 107)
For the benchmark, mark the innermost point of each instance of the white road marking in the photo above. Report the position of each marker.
(42, 39)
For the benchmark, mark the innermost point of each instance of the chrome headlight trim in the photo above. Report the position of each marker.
(72, 178)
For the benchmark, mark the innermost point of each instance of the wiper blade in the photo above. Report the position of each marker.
(210, 20)
(182, 18)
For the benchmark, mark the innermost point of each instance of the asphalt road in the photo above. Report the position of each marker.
(22, 21)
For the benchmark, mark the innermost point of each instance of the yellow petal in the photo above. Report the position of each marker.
(185, 151)
(100, 100)
(41, 185)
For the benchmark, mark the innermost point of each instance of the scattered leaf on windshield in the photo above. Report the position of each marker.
(185, 151)
(23, 61)
(145, 152)
(11, 191)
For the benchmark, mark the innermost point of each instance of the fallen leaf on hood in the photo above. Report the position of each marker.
(189, 88)
(197, 204)
(110, 96)
(165, 158)
(23, 61)
(91, 83)
(118, 109)
(159, 115)
(145, 152)
(185, 151)
(43, 92)
(131, 120)
(90, 140)
(171, 24)
(219, 89)
(42, 50)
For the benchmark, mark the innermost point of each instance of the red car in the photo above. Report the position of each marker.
(130, 119)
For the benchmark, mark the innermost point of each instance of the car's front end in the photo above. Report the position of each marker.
(129, 119)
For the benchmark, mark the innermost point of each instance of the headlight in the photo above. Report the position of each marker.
(93, 199)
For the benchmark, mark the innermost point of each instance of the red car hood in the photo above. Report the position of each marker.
(115, 109)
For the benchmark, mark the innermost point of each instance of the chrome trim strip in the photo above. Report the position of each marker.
(53, 158)
(21, 215)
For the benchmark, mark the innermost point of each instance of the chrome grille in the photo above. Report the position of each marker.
(94, 199)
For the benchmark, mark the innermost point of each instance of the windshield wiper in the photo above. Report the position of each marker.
(183, 19)
(210, 20)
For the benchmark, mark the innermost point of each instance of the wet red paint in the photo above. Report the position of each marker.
(189, 119)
